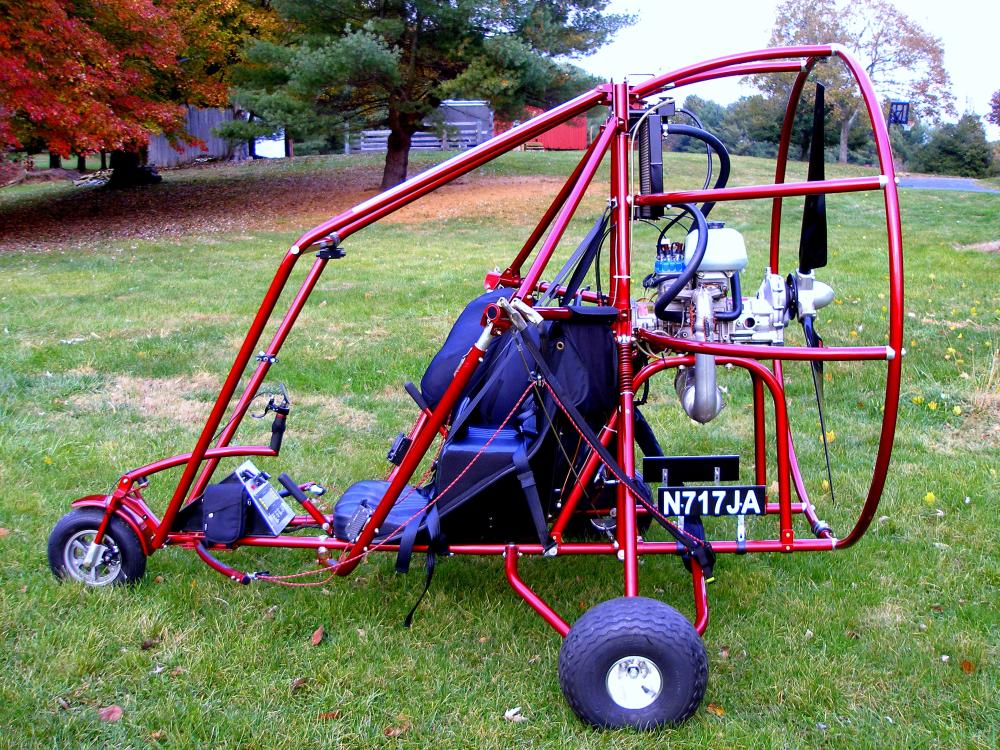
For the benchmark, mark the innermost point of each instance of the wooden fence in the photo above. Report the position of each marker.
(199, 123)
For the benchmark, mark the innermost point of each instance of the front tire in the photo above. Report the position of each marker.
(121, 562)
(633, 662)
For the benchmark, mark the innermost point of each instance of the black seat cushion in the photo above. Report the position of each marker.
(367, 494)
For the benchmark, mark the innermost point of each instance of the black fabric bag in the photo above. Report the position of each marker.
(225, 508)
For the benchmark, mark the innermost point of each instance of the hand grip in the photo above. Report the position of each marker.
(293, 488)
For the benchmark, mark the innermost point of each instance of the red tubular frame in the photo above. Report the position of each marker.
(199, 465)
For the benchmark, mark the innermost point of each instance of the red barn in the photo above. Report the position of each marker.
(570, 136)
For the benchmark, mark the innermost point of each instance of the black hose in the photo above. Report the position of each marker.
(708, 149)
(692, 267)
(737, 293)
(716, 145)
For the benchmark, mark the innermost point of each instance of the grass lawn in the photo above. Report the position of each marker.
(120, 314)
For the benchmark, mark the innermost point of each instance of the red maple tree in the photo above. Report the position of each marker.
(78, 76)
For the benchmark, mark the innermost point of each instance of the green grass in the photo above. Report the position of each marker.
(111, 357)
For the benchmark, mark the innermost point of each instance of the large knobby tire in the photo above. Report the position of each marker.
(633, 662)
(122, 562)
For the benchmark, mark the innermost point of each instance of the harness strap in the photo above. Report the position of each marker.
(435, 544)
(527, 479)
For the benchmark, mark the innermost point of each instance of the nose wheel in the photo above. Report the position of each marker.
(73, 555)
(633, 662)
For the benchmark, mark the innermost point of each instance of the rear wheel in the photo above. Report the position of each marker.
(119, 559)
(633, 662)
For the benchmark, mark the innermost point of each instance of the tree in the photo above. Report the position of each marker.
(80, 77)
(902, 59)
(994, 114)
(957, 149)
(392, 62)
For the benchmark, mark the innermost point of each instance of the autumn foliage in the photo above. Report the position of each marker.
(77, 76)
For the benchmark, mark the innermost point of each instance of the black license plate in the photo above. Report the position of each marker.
(745, 500)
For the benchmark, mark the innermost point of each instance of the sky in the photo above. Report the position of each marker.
(669, 35)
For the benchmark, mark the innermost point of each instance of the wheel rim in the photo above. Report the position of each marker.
(75, 552)
(634, 682)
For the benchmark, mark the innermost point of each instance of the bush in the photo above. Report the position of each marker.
(959, 149)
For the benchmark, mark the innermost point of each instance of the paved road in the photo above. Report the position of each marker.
(946, 183)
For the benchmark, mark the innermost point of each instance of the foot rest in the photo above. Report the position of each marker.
(357, 504)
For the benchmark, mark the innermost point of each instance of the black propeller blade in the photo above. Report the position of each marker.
(812, 244)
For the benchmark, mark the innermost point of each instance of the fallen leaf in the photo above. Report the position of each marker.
(362, 633)
(937, 608)
(484, 639)
(149, 643)
(110, 713)
(329, 715)
(271, 612)
(397, 730)
(535, 659)
(63, 703)
(177, 671)
(968, 667)
(715, 709)
(514, 714)
(298, 683)
(23, 589)
(317, 636)
(157, 669)
(158, 735)
(724, 652)
(4, 532)
(158, 579)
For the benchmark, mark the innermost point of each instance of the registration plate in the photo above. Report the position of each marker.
(745, 500)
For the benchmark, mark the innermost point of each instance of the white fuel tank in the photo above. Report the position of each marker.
(726, 249)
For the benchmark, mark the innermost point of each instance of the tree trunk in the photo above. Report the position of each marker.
(845, 131)
(252, 148)
(104, 159)
(81, 163)
(289, 146)
(397, 154)
(54, 161)
(128, 169)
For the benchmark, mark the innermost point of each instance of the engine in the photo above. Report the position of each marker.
(712, 308)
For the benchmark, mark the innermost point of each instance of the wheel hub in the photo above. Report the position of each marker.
(634, 682)
(104, 571)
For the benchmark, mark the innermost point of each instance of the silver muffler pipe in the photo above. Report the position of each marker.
(696, 388)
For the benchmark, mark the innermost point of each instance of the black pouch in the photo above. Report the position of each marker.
(224, 512)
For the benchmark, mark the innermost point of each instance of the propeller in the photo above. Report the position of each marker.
(812, 244)
(809, 294)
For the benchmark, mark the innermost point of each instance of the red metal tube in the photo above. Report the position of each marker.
(895, 243)
(781, 161)
(255, 381)
(759, 432)
(620, 270)
(748, 69)
(796, 353)
(213, 453)
(371, 210)
(534, 600)
(700, 597)
(844, 185)
(228, 388)
(660, 83)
